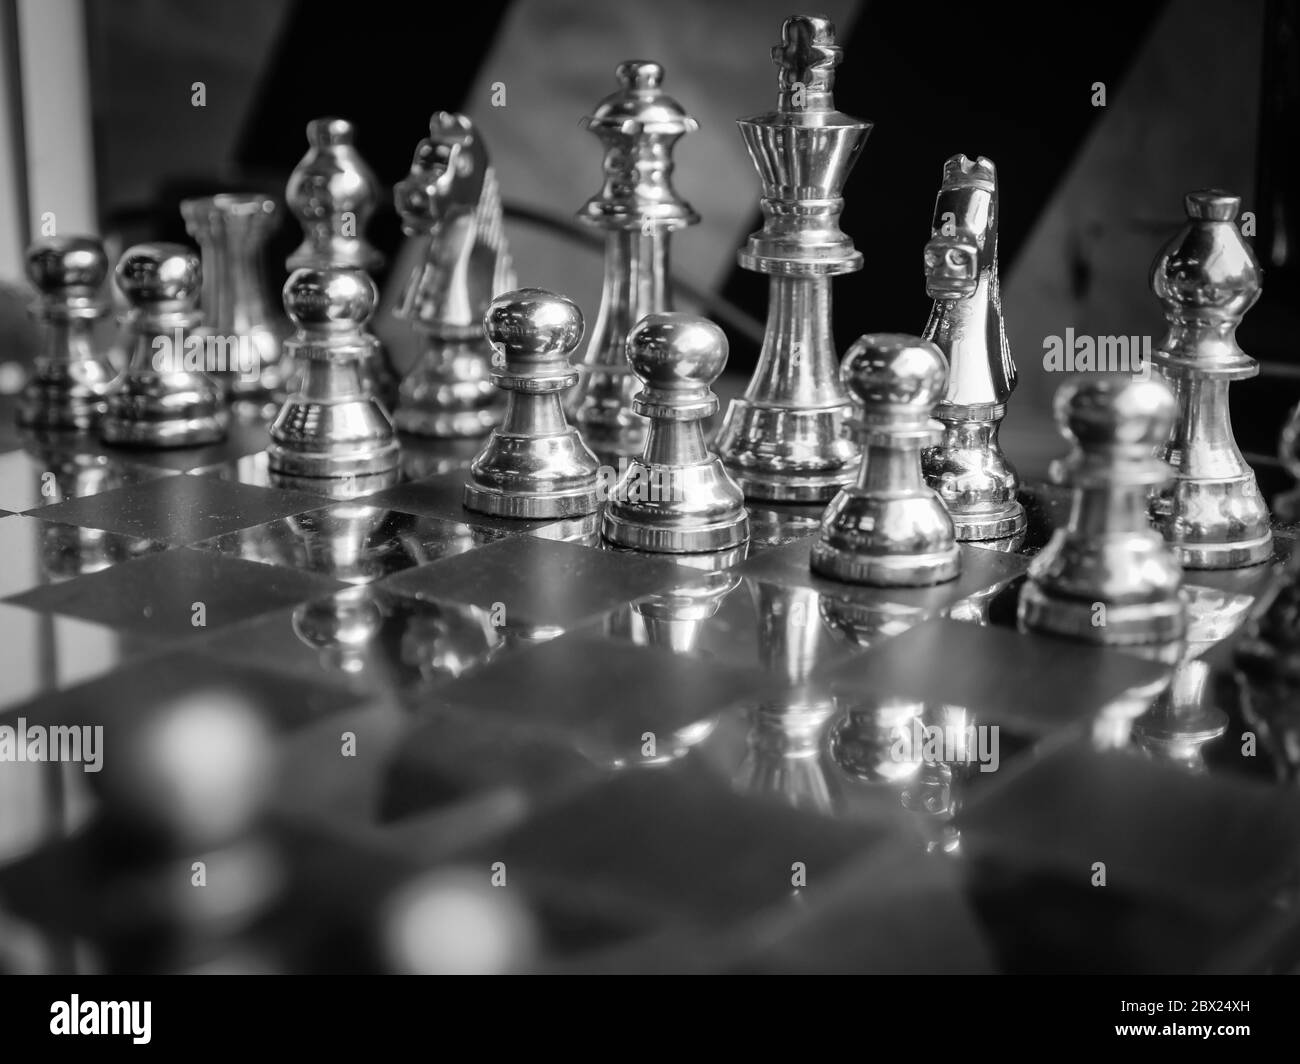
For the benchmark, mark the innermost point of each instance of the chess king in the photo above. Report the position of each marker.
(967, 467)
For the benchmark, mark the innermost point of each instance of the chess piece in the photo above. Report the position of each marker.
(785, 438)
(1183, 719)
(1268, 660)
(534, 464)
(1108, 577)
(161, 401)
(890, 529)
(331, 426)
(451, 199)
(232, 231)
(677, 497)
(1207, 277)
(1286, 506)
(967, 467)
(638, 208)
(72, 375)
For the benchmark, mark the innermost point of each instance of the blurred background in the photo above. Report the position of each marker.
(99, 97)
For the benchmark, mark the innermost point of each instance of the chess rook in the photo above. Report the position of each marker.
(785, 438)
(72, 375)
(967, 467)
(677, 497)
(890, 529)
(451, 200)
(534, 464)
(160, 401)
(1207, 277)
(331, 426)
(638, 209)
(1108, 577)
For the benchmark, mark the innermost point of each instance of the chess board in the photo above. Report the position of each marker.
(674, 764)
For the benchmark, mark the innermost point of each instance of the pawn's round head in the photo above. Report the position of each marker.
(329, 132)
(1208, 268)
(330, 300)
(160, 277)
(675, 352)
(72, 265)
(532, 323)
(1111, 413)
(894, 370)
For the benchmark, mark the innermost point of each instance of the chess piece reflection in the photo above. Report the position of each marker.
(1268, 660)
(1183, 719)
(72, 376)
(1286, 507)
(452, 200)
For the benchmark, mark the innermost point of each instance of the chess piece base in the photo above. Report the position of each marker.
(911, 570)
(704, 539)
(349, 486)
(449, 394)
(44, 406)
(998, 524)
(1126, 625)
(552, 504)
(330, 464)
(1214, 523)
(798, 472)
(172, 432)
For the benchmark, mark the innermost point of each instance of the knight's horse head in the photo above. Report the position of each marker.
(447, 174)
(964, 231)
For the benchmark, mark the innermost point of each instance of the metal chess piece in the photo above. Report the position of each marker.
(451, 198)
(638, 209)
(1108, 577)
(72, 375)
(331, 426)
(534, 464)
(890, 529)
(785, 438)
(161, 401)
(1286, 506)
(1183, 719)
(677, 497)
(1207, 277)
(232, 231)
(967, 467)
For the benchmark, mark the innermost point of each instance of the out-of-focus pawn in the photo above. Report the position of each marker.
(1286, 507)
(333, 193)
(1108, 577)
(890, 529)
(331, 426)
(72, 376)
(1207, 277)
(534, 464)
(159, 402)
(676, 498)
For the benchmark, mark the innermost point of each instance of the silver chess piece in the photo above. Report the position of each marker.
(331, 426)
(451, 199)
(967, 467)
(1207, 277)
(1108, 577)
(72, 375)
(676, 497)
(890, 529)
(639, 209)
(163, 399)
(232, 230)
(785, 438)
(534, 464)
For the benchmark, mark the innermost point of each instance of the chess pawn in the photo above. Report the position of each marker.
(890, 529)
(1207, 277)
(1108, 577)
(72, 375)
(534, 464)
(1286, 506)
(331, 426)
(967, 467)
(232, 231)
(161, 401)
(677, 497)
(333, 193)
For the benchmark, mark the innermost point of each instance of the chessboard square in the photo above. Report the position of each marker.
(39, 552)
(168, 594)
(1213, 842)
(181, 510)
(541, 583)
(349, 541)
(38, 478)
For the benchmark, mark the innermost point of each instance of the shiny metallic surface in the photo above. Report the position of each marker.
(333, 192)
(72, 375)
(677, 497)
(451, 200)
(1207, 277)
(1108, 577)
(890, 529)
(158, 402)
(232, 230)
(638, 207)
(535, 463)
(967, 467)
(785, 439)
(331, 426)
